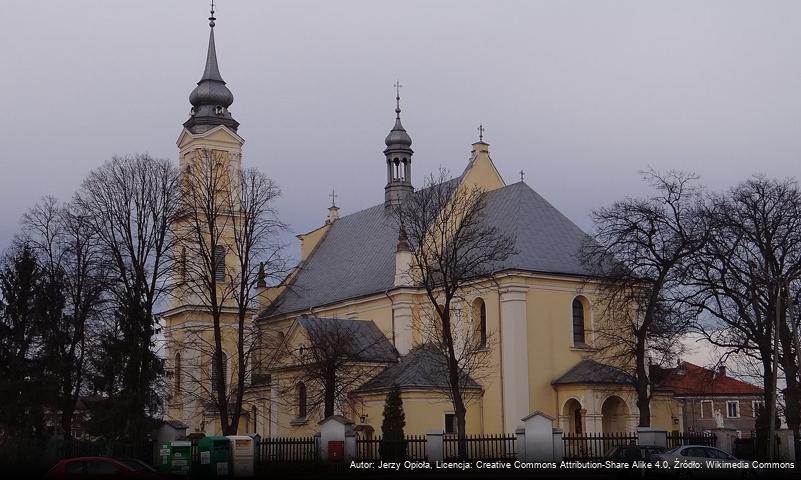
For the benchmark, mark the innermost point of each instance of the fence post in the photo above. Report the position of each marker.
(334, 429)
(724, 438)
(558, 444)
(434, 450)
(652, 436)
(520, 443)
(539, 433)
(350, 445)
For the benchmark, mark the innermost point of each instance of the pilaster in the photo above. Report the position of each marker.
(514, 354)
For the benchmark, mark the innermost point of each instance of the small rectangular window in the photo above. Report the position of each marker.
(756, 406)
(450, 423)
(733, 409)
(707, 408)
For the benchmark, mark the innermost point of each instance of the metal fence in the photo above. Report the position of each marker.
(593, 446)
(678, 439)
(413, 447)
(288, 450)
(481, 447)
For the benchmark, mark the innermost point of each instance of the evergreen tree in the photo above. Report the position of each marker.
(393, 444)
(762, 430)
(26, 304)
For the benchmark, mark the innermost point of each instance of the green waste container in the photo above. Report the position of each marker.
(215, 456)
(164, 458)
(175, 458)
(180, 457)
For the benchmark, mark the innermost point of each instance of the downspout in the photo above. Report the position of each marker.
(392, 308)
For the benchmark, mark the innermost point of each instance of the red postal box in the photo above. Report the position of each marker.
(336, 451)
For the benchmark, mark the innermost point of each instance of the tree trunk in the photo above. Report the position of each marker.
(330, 394)
(461, 423)
(642, 381)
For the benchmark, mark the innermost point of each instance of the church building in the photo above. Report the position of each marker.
(537, 305)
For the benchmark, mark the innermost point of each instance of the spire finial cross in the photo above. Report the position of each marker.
(397, 86)
(333, 197)
(481, 131)
(211, 18)
(522, 175)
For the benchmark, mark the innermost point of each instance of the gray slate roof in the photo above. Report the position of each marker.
(367, 340)
(592, 372)
(357, 255)
(422, 368)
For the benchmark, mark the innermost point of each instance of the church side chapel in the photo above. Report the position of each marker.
(353, 298)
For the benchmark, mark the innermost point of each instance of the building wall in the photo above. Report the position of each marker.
(699, 412)
(550, 351)
(424, 410)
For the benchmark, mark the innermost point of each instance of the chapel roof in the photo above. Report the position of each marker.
(423, 368)
(589, 372)
(357, 255)
(366, 341)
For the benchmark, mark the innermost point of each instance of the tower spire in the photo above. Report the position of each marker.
(399, 158)
(211, 98)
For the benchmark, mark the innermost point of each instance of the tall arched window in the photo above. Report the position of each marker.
(215, 372)
(578, 322)
(219, 263)
(177, 373)
(182, 264)
(301, 393)
(480, 317)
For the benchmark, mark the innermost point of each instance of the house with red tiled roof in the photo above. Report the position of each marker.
(706, 397)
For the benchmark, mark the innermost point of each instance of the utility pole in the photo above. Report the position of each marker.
(774, 391)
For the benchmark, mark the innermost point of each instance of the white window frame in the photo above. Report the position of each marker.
(711, 408)
(737, 406)
(754, 408)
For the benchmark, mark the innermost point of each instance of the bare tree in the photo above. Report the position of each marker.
(227, 213)
(62, 239)
(636, 259)
(744, 276)
(335, 357)
(129, 203)
(452, 246)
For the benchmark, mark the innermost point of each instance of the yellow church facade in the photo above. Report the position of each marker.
(531, 316)
(538, 307)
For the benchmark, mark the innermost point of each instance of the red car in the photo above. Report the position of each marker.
(102, 467)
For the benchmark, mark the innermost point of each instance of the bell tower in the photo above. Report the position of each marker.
(399, 159)
(209, 146)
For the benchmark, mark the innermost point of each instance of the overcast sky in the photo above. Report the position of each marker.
(580, 95)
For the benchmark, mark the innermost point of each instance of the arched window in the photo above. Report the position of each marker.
(301, 393)
(578, 322)
(480, 317)
(215, 372)
(219, 263)
(177, 373)
(183, 264)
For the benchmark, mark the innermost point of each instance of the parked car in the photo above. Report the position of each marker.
(701, 461)
(102, 467)
(633, 453)
(622, 453)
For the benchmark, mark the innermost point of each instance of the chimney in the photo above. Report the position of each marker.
(722, 371)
